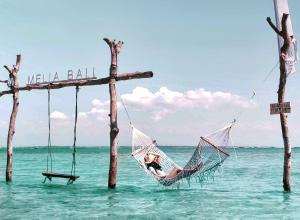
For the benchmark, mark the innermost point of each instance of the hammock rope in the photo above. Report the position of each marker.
(208, 155)
(127, 114)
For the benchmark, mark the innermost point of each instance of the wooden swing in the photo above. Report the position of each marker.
(49, 174)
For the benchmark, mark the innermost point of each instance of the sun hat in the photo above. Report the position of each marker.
(149, 158)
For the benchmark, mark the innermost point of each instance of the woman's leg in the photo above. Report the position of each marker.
(174, 172)
(177, 170)
(194, 168)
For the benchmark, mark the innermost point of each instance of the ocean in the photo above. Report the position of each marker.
(247, 186)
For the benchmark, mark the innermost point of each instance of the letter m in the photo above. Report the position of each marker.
(31, 80)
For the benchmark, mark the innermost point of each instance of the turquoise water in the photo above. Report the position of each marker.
(249, 187)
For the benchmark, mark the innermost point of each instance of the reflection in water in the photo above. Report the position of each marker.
(286, 197)
(112, 200)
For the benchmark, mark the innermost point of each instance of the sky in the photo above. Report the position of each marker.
(207, 58)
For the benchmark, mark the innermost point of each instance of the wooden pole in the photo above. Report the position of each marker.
(281, 93)
(14, 84)
(115, 48)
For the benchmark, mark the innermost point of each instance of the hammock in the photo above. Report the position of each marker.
(209, 154)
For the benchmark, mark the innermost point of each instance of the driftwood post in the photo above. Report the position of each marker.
(281, 92)
(14, 85)
(115, 48)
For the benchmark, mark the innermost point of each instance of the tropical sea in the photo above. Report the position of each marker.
(248, 186)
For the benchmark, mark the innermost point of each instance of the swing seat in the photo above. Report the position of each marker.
(49, 175)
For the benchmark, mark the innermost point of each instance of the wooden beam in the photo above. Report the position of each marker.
(13, 75)
(84, 82)
(287, 41)
(61, 81)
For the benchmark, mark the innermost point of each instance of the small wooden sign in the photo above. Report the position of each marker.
(277, 108)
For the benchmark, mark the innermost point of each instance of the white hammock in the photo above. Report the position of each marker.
(209, 154)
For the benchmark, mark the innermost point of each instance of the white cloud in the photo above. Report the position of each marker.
(56, 115)
(99, 110)
(166, 101)
(163, 102)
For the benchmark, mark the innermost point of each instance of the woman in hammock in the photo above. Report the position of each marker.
(152, 161)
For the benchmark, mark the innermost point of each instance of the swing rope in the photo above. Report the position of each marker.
(258, 89)
(49, 175)
(73, 169)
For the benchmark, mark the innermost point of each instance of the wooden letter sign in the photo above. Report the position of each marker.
(277, 108)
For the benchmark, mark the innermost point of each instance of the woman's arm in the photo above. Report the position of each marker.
(158, 173)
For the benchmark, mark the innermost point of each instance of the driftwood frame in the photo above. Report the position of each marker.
(111, 80)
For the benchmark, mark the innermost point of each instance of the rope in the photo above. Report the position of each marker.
(128, 116)
(271, 71)
(239, 115)
(75, 134)
(49, 155)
